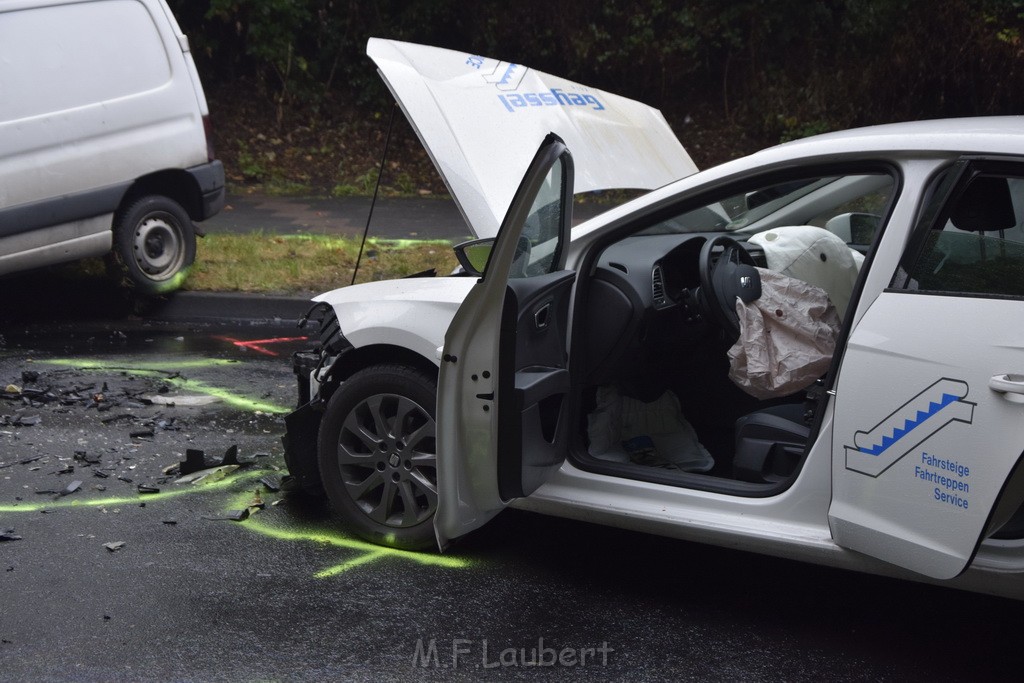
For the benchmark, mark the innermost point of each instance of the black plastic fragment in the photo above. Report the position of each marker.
(115, 418)
(143, 488)
(71, 488)
(232, 516)
(194, 461)
(272, 483)
(87, 458)
(230, 456)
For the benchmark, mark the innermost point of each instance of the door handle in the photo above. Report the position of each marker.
(542, 317)
(1011, 386)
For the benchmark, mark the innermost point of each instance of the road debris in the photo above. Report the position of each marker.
(9, 535)
(207, 476)
(71, 488)
(87, 458)
(195, 461)
(232, 516)
(257, 501)
(114, 546)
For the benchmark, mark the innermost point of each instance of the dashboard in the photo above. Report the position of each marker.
(640, 297)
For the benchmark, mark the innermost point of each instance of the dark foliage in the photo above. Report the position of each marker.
(787, 67)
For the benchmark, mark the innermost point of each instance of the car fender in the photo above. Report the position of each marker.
(412, 313)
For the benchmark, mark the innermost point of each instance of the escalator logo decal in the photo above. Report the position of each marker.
(919, 419)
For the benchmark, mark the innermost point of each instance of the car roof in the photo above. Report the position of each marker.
(979, 135)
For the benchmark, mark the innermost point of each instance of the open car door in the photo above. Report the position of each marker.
(502, 425)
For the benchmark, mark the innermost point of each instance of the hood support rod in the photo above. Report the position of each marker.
(376, 189)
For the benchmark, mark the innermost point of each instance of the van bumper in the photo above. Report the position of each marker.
(210, 179)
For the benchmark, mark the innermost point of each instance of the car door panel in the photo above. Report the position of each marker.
(920, 461)
(929, 424)
(503, 380)
(532, 431)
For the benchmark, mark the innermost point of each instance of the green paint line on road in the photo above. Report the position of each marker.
(161, 370)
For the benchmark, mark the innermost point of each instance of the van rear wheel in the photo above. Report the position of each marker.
(154, 245)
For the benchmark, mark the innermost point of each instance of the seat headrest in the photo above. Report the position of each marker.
(985, 205)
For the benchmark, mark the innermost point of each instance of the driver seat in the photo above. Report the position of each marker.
(770, 443)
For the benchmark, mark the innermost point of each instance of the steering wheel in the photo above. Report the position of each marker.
(722, 281)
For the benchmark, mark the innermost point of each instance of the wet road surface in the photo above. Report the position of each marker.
(286, 595)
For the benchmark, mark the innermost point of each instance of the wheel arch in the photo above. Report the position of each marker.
(174, 184)
(367, 356)
(302, 426)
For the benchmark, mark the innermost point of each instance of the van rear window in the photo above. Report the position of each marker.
(63, 57)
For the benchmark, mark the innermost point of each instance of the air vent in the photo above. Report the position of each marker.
(658, 286)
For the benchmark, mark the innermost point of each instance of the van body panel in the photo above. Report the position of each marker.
(56, 244)
(96, 96)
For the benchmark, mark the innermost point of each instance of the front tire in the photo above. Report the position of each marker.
(378, 456)
(154, 245)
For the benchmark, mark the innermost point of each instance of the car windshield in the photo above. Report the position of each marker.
(812, 201)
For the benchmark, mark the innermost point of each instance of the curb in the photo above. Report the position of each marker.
(219, 306)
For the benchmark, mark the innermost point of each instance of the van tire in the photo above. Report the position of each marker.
(154, 245)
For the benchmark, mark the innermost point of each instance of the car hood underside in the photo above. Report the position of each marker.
(482, 120)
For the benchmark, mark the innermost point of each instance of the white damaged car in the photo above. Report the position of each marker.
(815, 352)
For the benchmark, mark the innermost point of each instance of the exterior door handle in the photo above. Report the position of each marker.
(1011, 386)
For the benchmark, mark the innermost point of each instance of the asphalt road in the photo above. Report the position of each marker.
(287, 595)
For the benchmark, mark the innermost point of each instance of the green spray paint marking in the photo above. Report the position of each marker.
(180, 490)
(160, 370)
(368, 552)
(169, 367)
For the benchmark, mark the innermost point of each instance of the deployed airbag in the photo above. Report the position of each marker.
(813, 255)
(787, 337)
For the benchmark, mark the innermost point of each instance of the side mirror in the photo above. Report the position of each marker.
(474, 255)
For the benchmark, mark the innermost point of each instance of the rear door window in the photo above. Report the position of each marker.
(976, 244)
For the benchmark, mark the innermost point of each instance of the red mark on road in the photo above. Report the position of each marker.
(258, 344)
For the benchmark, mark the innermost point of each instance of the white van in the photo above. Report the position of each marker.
(104, 139)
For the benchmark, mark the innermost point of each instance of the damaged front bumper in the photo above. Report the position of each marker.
(313, 372)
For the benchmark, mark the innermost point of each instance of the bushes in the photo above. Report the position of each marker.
(778, 67)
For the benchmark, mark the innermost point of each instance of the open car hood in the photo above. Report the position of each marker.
(482, 120)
